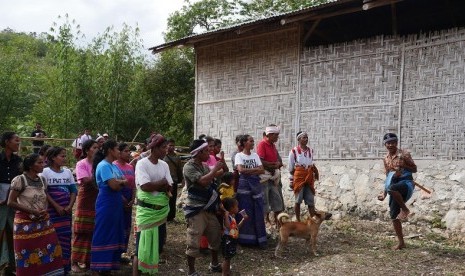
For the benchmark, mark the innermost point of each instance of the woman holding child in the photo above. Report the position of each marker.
(250, 194)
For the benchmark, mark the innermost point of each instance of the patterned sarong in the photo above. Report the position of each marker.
(148, 220)
(62, 224)
(84, 222)
(251, 198)
(303, 176)
(36, 247)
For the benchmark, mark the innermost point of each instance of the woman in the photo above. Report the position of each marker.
(129, 191)
(303, 174)
(36, 245)
(10, 166)
(250, 194)
(61, 195)
(108, 239)
(84, 217)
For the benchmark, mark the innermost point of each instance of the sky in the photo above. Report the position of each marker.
(93, 16)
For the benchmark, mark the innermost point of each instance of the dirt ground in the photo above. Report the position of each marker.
(346, 247)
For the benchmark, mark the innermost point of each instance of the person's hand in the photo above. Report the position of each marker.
(381, 196)
(222, 155)
(60, 210)
(67, 209)
(218, 166)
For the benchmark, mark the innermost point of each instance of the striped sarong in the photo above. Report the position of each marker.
(62, 224)
(84, 221)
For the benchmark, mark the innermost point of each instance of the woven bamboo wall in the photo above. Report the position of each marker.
(350, 94)
(353, 93)
(245, 85)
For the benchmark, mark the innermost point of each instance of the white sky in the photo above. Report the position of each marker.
(93, 16)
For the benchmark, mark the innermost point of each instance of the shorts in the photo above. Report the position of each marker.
(228, 247)
(306, 195)
(403, 189)
(273, 197)
(204, 223)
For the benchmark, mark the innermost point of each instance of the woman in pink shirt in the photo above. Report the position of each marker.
(128, 191)
(84, 216)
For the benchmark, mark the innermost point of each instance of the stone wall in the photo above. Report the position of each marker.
(351, 187)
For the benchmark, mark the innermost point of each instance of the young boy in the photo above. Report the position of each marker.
(230, 232)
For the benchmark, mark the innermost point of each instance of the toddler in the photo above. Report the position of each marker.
(230, 232)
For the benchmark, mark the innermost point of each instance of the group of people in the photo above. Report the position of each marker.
(222, 208)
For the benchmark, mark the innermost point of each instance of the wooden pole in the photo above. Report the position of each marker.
(136, 135)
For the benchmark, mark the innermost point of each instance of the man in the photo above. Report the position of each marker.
(271, 161)
(106, 136)
(399, 166)
(86, 136)
(201, 206)
(175, 165)
(303, 174)
(153, 181)
(77, 147)
(38, 133)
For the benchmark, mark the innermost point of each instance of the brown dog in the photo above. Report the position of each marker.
(307, 230)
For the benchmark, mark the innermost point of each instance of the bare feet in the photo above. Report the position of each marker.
(400, 246)
(403, 215)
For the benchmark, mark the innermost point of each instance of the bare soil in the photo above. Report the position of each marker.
(346, 247)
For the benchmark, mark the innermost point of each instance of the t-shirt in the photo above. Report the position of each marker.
(147, 172)
(106, 171)
(85, 137)
(37, 133)
(77, 143)
(63, 179)
(248, 161)
(31, 192)
(128, 173)
(83, 169)
(301, 157)
(267, 151)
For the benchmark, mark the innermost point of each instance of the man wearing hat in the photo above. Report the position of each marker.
(271, 161)
(399, 166)
(202, 204)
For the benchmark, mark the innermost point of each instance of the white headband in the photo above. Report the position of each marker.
(197, 150)
(271, 129)
(301, 135)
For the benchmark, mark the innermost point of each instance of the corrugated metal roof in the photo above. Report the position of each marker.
(185, 40)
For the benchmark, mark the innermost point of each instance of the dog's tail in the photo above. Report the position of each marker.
(283, 218)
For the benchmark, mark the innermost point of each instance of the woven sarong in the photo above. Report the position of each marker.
(302, 177)
(62, 224)
(36, 247)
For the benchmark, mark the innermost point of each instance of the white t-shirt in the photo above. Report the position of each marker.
(147, 172)
(247, 161)
(65, 177)
(302, 158)
(85, 137)
(77, 143)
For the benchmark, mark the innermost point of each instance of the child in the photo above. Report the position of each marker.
(230, 232)
(226, 188)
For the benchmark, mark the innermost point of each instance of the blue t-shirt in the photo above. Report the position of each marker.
(105, 172)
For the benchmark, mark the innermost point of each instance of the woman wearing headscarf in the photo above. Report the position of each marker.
(303, 174)
(10, 166)
(84, 217)
(36, 245)
(61, 195)
(108, 239)
(250, 194)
